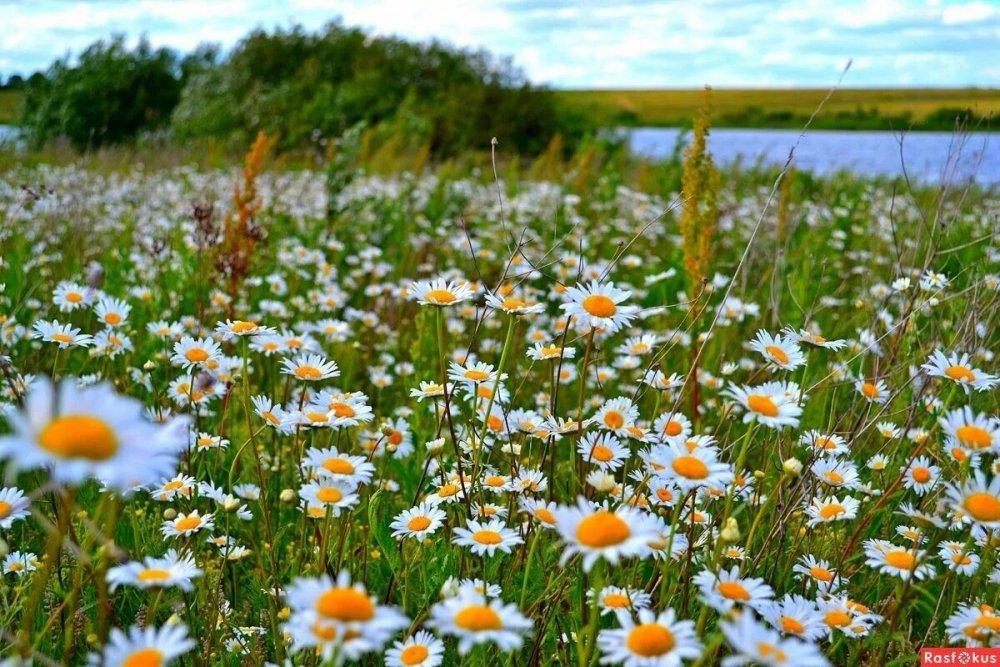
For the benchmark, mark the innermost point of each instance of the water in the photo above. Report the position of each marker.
(930, 157)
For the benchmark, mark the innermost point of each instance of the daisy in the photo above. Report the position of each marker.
(959, 369)
(549, 351)
(973, 625)
(874, 391)
(976, 500)
(484, 539)
(955, 557)
(814, 339)
(310, 368)
(62, 334)
(611, 599)
(616, 416)
(540, 511)
(831, 509)
(328, 493)
(170, 570)
(756, 644)
(230, 330)
(184, 525)
(421, 650)
(726, 590)
(196, 353)
(768, 404)
(92, 432)
(657, 640)
(836, 473)
(597, 532)
(418, 522)
(691, 469)
(473, 620)
(797, 616)
(13, 506)
(825, 445)
(472, 372)
(70, 296)
(179, 485)
(513, 305)
(19, 563)
(603, 451)
(331, 463)
(112, 312)
(272, 413)
(143, 646)
(921, 475)
(973, 431)
(439, 292)
(781, 352)
(672, 427)
(904, 563)
(429, 390)
(599, 306)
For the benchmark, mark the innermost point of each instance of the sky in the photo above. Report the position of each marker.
(579, 43)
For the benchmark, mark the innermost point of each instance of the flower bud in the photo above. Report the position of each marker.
(792, 467)
(730, 531)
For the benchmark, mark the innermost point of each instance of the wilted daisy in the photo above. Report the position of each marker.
(473, 619)
(656, 640)
(170, 570)
(599, 306)
(92, 432)
(484, 539)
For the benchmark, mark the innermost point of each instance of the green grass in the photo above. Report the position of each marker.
(848, 108)
(10, 106)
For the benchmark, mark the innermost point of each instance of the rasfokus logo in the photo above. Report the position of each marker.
(959, 656)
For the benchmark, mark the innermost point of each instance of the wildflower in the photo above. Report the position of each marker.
(63, 335)
(959, 369)
(779, 351)
(473, 619)
(310, 368)
(597, 532)
(768, 404)
(440, 292)
(657, 639)
(144, 646)
(196, 353)
(13, 506)
(599, 306)
(418, 522)
(756, 644)
(170, 570)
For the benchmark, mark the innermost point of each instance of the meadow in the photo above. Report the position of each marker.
(568, 413)
(849, 109)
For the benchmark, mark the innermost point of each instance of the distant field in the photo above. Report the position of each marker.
(854, 108)
(10, 106)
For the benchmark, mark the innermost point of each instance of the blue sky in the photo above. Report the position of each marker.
(583, 43)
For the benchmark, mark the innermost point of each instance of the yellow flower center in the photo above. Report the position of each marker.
(487, 537)
(602, 529)
(673, 428)
(187, 523)
(790, 625)
(870, 390)
(476, 375)
(478, 618)
(900, 559)
(821, 574)
(989, 621)
(153, 574)
(960, 374)
(342, 410)
(329, 494)
(345, 604)
(79, 437)
(616, 600)
(650, 639)
(5, 509)
(62, 338)
(113, 318)
(196, 355)
(339, 466)
(921, 475)
(832, 510)
(690, 467)
(439, 296)
(974, 437)
(601, 453)
(513, 304)
(144, 657)
(777, 354)
(241, 327)
(837, 618)
(418, 523)
(599, 305)
(771, 652)
(614, 420)
(545, 516)
(762, 405)
(447, 490)
(74, 297)
(414, 655)
(308, 373)
(982, 506)
(732, 590)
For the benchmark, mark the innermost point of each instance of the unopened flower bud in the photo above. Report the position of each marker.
(287, 496)
(731, 531)
(792, 467)
(170, 514)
